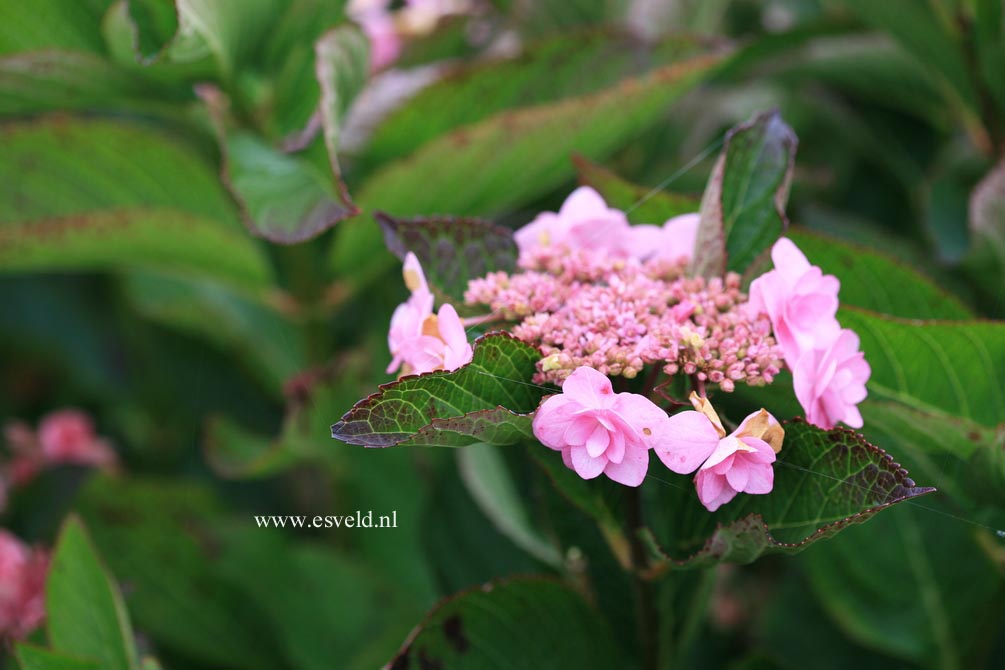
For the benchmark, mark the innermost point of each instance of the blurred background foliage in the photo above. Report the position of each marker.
(168, 185)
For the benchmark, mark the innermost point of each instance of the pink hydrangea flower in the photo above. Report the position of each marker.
(830, 382)
(671, 242)
(599, 431)
(727, 464)
(68, 436)
(419, 340)
(583, 222)
(800, 300)
(22, 587)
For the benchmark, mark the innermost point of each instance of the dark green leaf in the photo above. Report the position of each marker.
(246, 326)
(927, 32)
(928, 592)
(154, 24)
(824, 482)
(86, 617)
(452, 251)
(990, 29)
(488, 480)
(743, 208)
(487, 400)
(550, 625)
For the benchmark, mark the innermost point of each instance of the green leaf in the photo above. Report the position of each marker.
(229, 30)
(928, 593)
(452, 251)
(824, 482)
(487, 478)
(86, 616)
(284, 198)
(51, 24)
(872, 280)
(743, 208)
(56, 80)
(30, 657)
(985, 262)
(550, 625)
(641, 204)
(544, 72)
(942, 366)
(91, 194)
(154, 24)
(246, 326)
(513, 157)
(342, 68)
(487, 400)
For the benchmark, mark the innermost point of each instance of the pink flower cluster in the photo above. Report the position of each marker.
(616, 312)
(64, 437)
(829, 372)
(22, 587)
(419, 340)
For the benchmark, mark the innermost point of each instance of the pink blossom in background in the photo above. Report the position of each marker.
(671, 242)
(419, 340)
(830, 382)
(68, 436)
(800, 300)
(727, 464)
(599, 431)
(22, 587)
(377, 21)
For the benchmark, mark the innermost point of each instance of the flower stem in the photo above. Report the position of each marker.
(698, 385)
(645, 606)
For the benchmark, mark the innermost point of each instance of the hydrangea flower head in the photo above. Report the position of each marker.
(68, 436)
(600, 431)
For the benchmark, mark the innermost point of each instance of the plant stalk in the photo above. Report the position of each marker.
(645, 601)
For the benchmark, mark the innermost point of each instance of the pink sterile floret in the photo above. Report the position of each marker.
(799, 299)
(419, 340)
(830, 382)
(599, 431)
(727, 464)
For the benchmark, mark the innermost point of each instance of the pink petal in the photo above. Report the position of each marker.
(761, 479)
(686, 442)
(588, 387)
(725, 448)
(580, 428)
(681, 233)
(567, 457)
(587, 466)
(597, 443)
(645, 241)
(583, 203)
(631, 471)
(789, 260)
(648, 422)
(616, 450)
(552, 419)
(738, 475)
